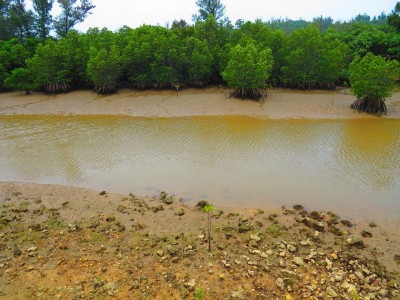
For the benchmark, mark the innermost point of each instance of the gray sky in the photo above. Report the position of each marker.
(133, 13)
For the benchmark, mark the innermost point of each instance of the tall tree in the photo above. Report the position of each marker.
(209, 7)
(248, 71)
(71, 15)
(312, 61)
(43, 19)
(5, 32)
(21, 19)
(373, 79)
(48, 68)
(394, 19)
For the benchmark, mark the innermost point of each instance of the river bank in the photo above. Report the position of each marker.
(279, 104)
(71, 243)
(66, 242)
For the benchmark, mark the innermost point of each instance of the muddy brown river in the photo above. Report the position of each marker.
(351, 167)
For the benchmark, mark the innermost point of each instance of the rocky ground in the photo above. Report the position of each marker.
(71, 243)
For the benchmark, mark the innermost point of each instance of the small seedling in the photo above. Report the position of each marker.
(199, 293)
(208, 209)
(177, 87)
(355, 295)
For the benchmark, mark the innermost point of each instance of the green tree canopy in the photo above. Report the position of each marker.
(71, 15)
(5, 29)
(104, 68)
(199, 62)
(207, 8)
(248, 71)
(20, 79)
(43, 19)
(48, 68)
(372, 80)
(394, 19)
(312, 61)
(3, 76)
(21, 19)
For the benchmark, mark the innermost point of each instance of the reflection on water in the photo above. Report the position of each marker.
(349, 166)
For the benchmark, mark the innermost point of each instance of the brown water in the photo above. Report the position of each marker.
(349, 166)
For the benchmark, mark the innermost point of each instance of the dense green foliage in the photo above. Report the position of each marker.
(248, 71)
(207, 8)
(16, 20)
(43, 17)
(312, 60)
(248, 57)
(20, 79)
(394, 18)
(71, 14)
(373, 77)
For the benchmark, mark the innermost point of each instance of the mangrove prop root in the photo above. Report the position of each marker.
(248, 93)
(105, 89)
(369, 106)
(56, 88)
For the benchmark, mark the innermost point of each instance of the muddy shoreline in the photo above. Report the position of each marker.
(74, 243)
(63, 242)
(279, 104)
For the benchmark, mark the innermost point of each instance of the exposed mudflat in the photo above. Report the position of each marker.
(59, 242)
(279, 104)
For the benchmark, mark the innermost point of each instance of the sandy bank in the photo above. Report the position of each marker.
(71, 243)
(279, 104)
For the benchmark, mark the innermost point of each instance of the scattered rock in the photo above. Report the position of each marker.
(355, 241)
(331, 292)
(163, 196)
(298, 207)
(201, 204)
(366, 233)
(291, 248)
(297, 260)
(255, 238)
(328, 264)
(397, 258)
(17, 252)
(190, 285)
(102, 193)
(169, 200)
(30, 268)
(274, 230)
(32, 249)
(180, 212)
(245, 225)
(156, 209)
(346, 223)
(314, 224)
(280, 283)
(110, 219)
(221, 246)
(316, 215)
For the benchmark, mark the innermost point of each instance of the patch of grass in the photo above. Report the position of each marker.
(94, 238)
(274, 230)
(24, 204)
(199, 293)
(54, 223)
(37, 200)
(23, 237)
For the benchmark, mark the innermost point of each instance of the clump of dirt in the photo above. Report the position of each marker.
(72, 243)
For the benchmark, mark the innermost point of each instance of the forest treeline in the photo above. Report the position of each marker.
(211, 51)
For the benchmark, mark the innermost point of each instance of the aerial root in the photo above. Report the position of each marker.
(248, 93)
(369, 106)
